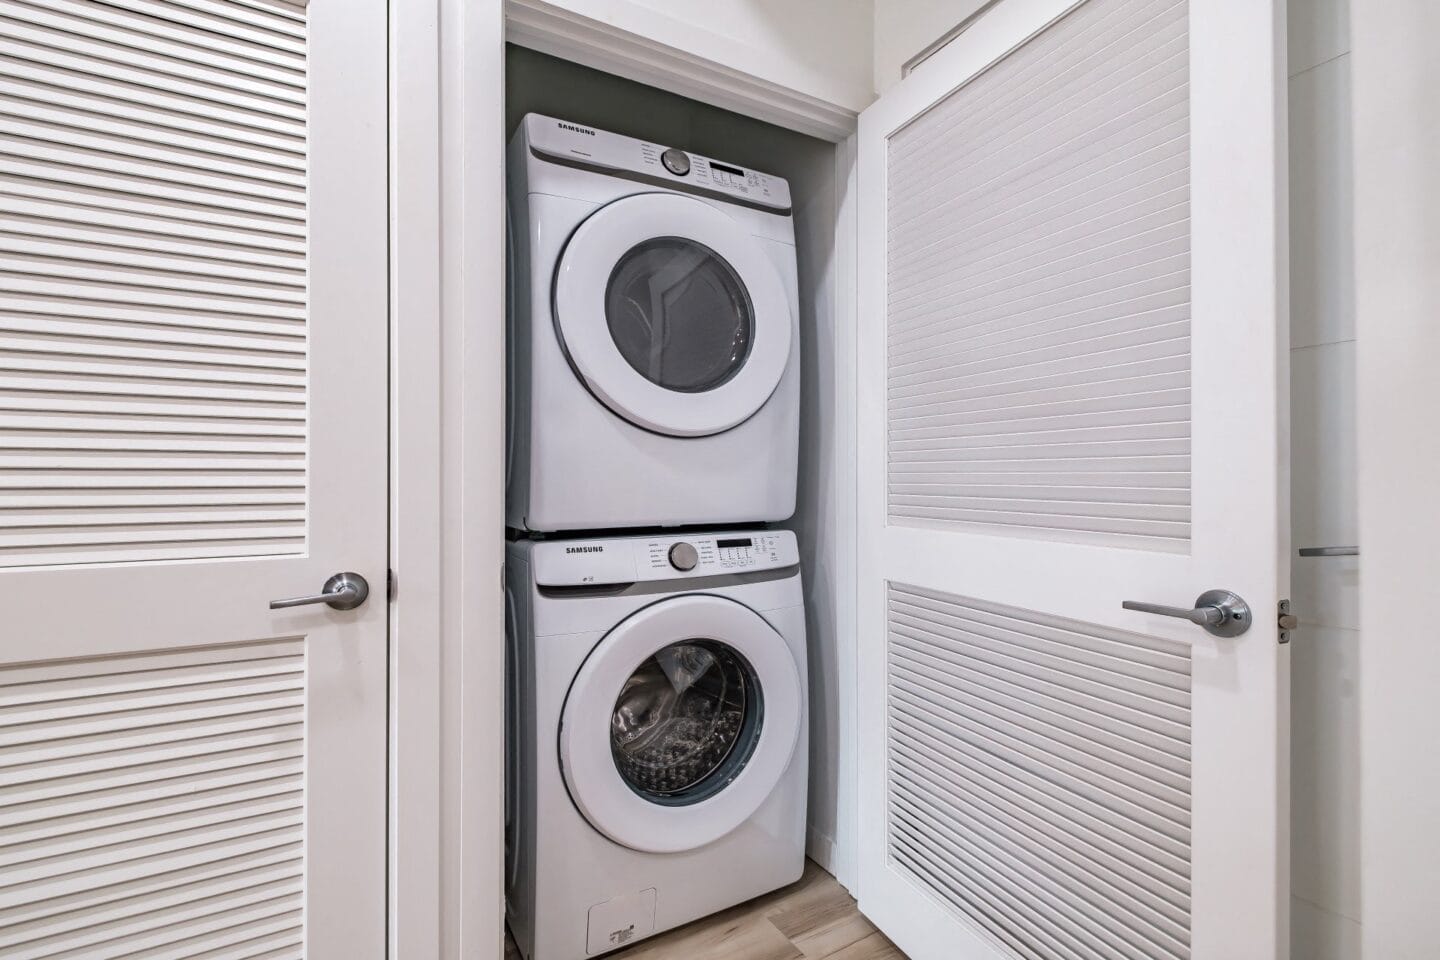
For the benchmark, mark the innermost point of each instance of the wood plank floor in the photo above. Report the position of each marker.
(814, 919)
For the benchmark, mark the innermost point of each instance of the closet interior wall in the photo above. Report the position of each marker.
(538, 83)
(1325, 655)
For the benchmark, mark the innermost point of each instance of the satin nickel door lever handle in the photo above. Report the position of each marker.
(344, 591)
(1220, 612)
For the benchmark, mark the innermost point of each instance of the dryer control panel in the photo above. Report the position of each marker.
(584, 146)
(576, 563)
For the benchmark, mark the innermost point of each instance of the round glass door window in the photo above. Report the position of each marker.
(679, 314)
(686, 722)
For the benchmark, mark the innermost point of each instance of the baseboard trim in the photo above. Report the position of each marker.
(821, 849)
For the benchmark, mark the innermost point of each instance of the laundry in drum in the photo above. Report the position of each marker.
(678, 717)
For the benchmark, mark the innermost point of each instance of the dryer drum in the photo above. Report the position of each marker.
(679, 314)
(685, 722)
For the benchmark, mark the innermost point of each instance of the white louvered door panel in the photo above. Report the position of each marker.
(193, 331)
(1039, 289)
(1071, 312)
(146, 342)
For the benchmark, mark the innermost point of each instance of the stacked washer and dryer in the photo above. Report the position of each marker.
(657, 660)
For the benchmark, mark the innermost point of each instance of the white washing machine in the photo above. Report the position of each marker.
(654, 347)
(658, 737)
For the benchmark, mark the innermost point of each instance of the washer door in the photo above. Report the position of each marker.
(672, 315)
(680, 723)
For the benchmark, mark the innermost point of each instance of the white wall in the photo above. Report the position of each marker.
(903, 28)
(1397, 250)
(819, 48)
(543, 84)
(1325, 835)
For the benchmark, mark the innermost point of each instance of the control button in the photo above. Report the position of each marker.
(683, 556)
(678, 163)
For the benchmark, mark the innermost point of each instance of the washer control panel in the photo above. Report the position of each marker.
(574, 563)
(578, 144)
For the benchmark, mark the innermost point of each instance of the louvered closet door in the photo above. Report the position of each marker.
(192, 423)
(1071, 312)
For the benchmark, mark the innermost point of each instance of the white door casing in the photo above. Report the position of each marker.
(193, 403)
(1071, 305)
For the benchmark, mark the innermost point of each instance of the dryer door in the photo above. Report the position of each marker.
(672, 314)
(680, 723)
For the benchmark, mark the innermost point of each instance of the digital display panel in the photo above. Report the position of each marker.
(746, 542)
(724, 169)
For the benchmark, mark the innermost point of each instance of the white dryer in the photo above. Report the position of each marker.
(654, 347)
(657, 734)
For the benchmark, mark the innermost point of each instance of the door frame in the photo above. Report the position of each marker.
(447, 490)
(447, 429)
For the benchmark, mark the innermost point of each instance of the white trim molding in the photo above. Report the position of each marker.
(845, 865)
(616, 46)
(447, 494)
(415, 470)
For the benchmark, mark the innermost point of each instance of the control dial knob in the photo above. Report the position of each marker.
(684, 556)
(676, 161)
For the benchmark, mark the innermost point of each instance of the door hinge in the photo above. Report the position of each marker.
(1286, 621)
(391, 585)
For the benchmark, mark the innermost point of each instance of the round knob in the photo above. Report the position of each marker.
(677, 162)
(684, 556)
